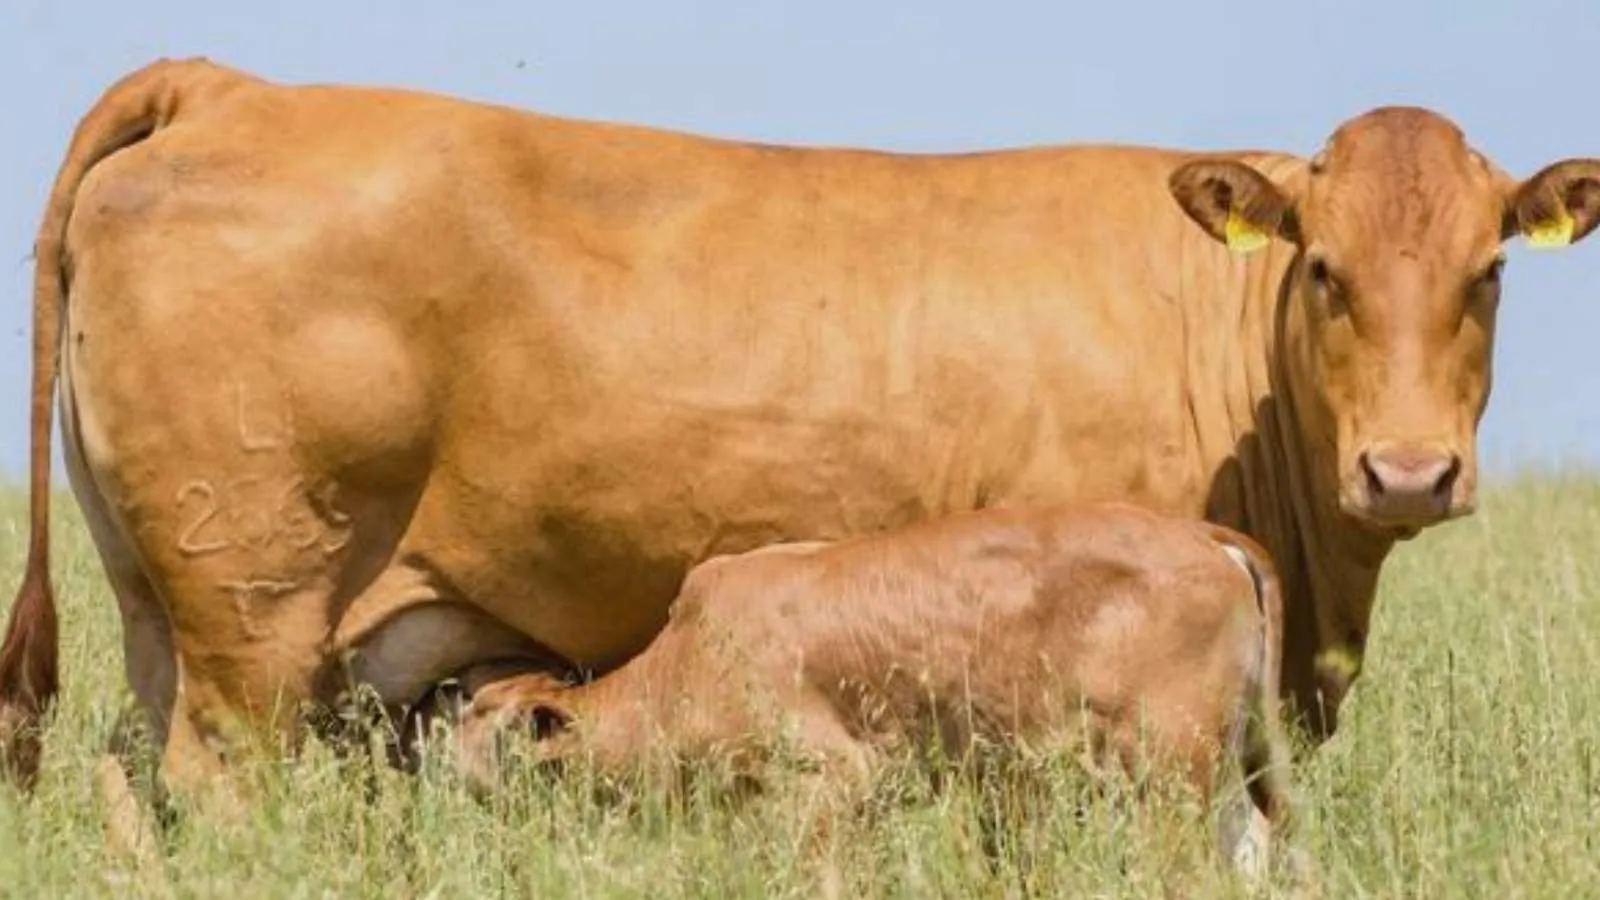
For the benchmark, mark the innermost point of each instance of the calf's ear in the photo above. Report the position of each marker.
(1557, 206)
(1234, 203)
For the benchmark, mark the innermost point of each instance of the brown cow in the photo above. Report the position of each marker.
(1106, 630)
(379, 385)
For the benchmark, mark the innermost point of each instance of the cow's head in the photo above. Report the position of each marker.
(1391, 301)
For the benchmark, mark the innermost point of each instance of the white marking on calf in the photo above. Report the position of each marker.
(1242, 560)
(1242, 829)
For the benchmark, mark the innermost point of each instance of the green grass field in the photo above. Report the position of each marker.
(1466, 767)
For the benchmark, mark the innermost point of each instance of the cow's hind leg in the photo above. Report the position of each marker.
(148, 660)
(232, 647)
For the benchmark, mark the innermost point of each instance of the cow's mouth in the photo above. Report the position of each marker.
(1389, 529)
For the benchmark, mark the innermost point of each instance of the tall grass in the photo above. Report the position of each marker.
(1466, 766)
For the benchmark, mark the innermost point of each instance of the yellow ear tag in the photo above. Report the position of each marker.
(1556, 232)
(1243, 237)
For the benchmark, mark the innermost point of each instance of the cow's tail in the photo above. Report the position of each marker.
(1264, 753)
(131, 110)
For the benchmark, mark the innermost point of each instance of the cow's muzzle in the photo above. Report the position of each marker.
(1404, 487)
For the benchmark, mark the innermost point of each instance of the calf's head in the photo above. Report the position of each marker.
(500, 721)
(1390, 301)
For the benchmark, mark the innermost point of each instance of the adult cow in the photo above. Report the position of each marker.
(378, 384)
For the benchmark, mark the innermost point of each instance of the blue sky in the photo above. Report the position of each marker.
(928, 75)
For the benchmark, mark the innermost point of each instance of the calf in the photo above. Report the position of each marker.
(1146, 638)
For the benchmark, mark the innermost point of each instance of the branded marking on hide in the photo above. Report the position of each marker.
(189, 543)
(245, 593)
(337, 520)
(258, 433)
(259, 513)
(249, 523)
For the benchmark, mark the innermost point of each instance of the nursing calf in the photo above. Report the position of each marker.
(1151, 640)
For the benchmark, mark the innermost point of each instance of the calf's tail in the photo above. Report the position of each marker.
(131, 110)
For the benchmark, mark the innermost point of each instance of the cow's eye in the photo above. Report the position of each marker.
(1317, 270)
(1326, 282)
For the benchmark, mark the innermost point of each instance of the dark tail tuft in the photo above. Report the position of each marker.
(29, 677)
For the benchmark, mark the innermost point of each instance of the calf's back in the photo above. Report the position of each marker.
(1105, 622)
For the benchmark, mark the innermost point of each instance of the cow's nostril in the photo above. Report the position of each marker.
(1374, 483)
(1447, 478)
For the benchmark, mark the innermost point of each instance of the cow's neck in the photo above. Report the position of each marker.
(1329, 567)
(1330, 574)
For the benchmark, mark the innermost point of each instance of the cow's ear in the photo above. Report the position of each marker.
(1234, 203)
(1558, 206)
(546, 720)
